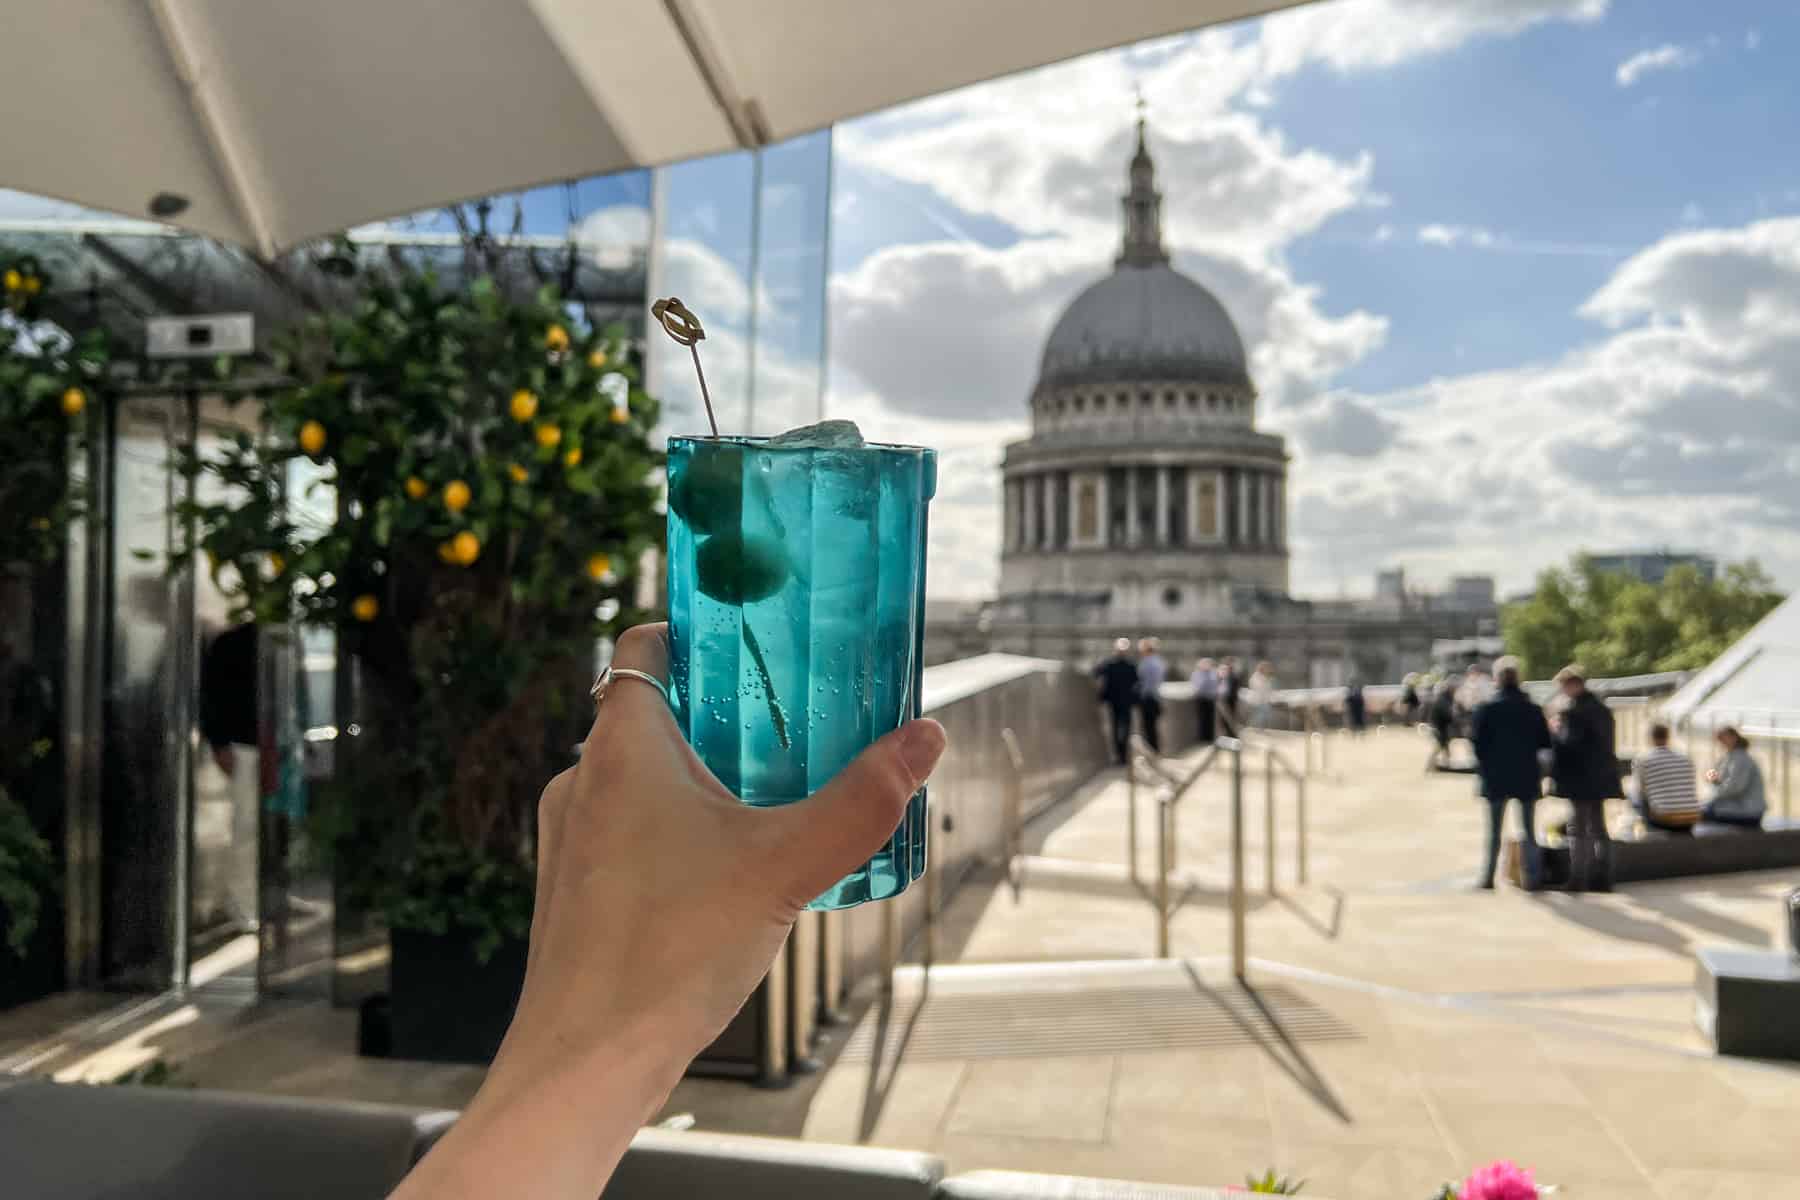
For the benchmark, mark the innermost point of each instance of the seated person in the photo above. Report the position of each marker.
(1663, 785)
(1737, 797)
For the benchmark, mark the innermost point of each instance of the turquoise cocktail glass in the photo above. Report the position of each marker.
(797, 620)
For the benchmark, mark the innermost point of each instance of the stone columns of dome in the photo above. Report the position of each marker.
(1052, 502)
(1009, 533)
(1162, 505)
(1268, 508)
(1241, 527)
(1281, 510)
(1131, 507)
(1031, 497)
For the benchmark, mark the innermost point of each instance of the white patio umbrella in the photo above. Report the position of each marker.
(266, 123)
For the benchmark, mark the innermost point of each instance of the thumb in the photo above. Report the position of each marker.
(836, 829)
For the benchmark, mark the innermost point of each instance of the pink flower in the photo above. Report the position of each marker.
(1499, 1181)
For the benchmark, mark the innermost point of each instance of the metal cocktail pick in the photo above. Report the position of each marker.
(680, 323)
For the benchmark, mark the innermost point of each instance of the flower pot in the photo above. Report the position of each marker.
(444, 1004)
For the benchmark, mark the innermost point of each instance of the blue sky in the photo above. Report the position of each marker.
(1518, 277)
(1568, 159)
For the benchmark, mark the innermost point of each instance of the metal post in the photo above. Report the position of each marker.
(772, 1061)
(803, 992)
(831, 967)
(1787, 779)
(1162, 877)
(1131, 806)
(1237, 863)
(1300, 828)
(1269, 821)
(890, 945)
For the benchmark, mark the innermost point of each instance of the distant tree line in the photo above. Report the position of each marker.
(1615, 624)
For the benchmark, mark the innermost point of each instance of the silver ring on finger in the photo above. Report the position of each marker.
(609, 674)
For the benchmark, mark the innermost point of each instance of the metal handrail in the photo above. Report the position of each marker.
(1013, 797)
(1299, 778)
(1166, 804)
(1175, 789)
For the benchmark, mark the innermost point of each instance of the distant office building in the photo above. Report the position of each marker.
(1472, 591)
(1652, 566)
(1390, 586)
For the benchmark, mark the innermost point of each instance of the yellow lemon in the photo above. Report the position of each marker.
(32, 284)
(548, 435)
(416, 487)
(13, 279)
(597, 566)
(597, 359)
(277, 564)
(456, 496)
(619, 416)
(42, 523)
(556, 339)
(447, 552)
(573, 457)
(524, 405)
(73, 401)
(519, 474)
(312, 437)
(466, 547)
(365, 607)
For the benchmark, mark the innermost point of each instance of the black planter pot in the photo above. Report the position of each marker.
(444, 1005)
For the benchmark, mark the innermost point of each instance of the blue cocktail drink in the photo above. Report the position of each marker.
(796, 618)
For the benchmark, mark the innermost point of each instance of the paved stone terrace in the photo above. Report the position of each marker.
(1398, 1029)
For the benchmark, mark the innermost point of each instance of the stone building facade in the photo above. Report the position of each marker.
(1147, 501)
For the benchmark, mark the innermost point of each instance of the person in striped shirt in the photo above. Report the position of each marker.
(1665, 795)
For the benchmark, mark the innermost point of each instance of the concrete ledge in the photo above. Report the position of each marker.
(1709, 850)
(1016, 1185)
(1747, 1002)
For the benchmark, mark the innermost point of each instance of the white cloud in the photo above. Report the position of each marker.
(1667, 57)
(1680, 426)
(1351, 35)
(1479, 238)
(1752, 39)
(1441, 235)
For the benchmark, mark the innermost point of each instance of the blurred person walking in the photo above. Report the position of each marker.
(1737, 795)
(1409, 699)
(1118, 678)
(1261, 693)
(1442, 717)
(1231, 687)
(1508, 732)
(1356, 709)
(1206, 700)
(1586, 773)
(1153, 672)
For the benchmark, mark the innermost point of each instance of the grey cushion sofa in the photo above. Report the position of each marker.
(78, 1142)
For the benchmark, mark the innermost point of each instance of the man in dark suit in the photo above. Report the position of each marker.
(1586, 773)
(1509, 730)
(1118, 677)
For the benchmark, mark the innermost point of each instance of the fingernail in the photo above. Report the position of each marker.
(921, 745)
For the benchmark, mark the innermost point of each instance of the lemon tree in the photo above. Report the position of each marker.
(49, 381)
(447, 483)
